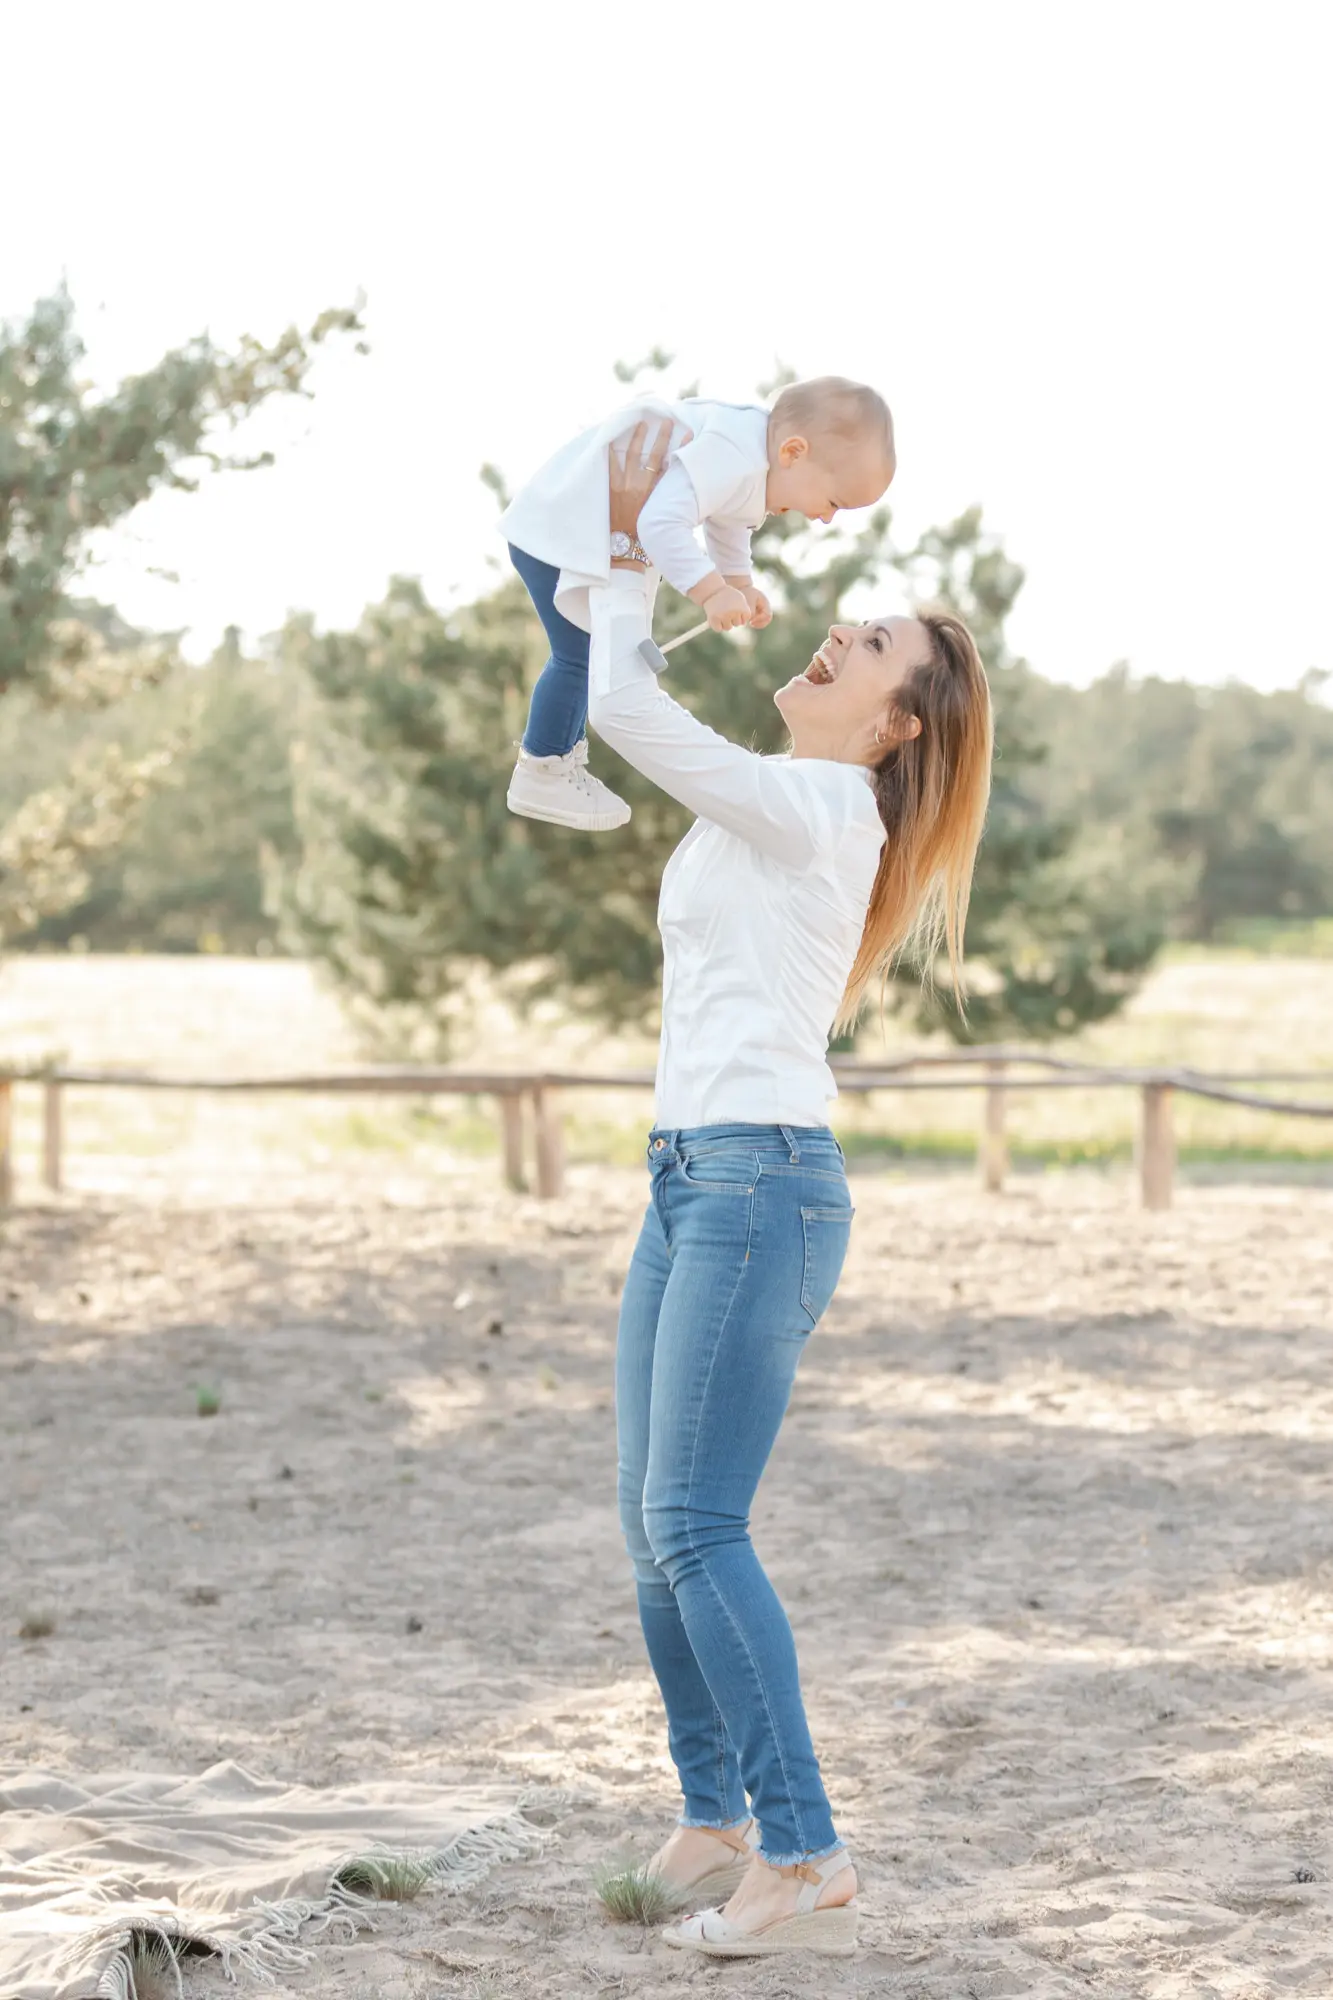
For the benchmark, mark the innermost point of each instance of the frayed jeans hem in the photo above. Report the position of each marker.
(795, 1860)
(714, 1825)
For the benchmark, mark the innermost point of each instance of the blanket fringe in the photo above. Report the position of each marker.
(117, 1980)
(278, 1936)
(513, 1837)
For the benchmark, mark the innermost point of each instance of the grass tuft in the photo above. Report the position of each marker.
(37, 1625)
(630, 1894)
(391, 1878)
(207, 1400)
(154, 1968)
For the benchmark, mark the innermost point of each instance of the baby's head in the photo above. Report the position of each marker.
(830, 446)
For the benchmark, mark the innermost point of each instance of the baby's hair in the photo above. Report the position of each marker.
(831, 406)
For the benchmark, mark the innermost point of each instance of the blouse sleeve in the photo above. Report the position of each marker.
(790, 811)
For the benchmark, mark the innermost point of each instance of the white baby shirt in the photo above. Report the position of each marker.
(717, 479)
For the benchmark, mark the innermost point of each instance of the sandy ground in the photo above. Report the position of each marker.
(1051, 1514)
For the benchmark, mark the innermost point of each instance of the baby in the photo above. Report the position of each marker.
(825, 445)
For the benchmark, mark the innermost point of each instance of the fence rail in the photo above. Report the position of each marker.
(531, 1119)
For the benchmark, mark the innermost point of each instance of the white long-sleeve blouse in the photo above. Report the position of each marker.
(763, 903)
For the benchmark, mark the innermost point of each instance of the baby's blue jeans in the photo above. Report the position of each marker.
(558, 711)
(740, 1252)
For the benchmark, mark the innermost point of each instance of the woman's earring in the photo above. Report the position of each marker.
(879, 736)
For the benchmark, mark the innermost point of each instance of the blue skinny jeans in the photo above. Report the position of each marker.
(739, 1254)
(558, 711)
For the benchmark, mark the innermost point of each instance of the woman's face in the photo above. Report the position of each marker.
(849, 690)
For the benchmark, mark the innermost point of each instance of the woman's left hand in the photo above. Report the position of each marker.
(634, 478)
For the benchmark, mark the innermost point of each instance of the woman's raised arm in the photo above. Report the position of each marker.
(788, 810)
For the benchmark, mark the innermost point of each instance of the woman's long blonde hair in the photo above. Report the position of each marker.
(932, 792)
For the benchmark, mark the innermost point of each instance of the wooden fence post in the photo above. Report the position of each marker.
(6, 1142)
(511, 1125)
(550, 1143)
(993, 1148)
(53, 1133)
(1157, 1146)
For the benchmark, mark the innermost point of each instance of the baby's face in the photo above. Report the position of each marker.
(821, 477)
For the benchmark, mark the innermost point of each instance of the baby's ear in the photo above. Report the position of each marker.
(791, 449)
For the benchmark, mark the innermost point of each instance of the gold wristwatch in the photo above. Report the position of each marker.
(627, 548)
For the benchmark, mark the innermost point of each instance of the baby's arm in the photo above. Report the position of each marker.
(668, 528)
(728, 543)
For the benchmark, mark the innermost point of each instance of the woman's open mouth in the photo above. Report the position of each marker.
(821, 669)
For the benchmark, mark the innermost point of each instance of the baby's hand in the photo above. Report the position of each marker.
(726, 608)
(761, 611)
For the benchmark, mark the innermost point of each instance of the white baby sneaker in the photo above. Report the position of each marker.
(563, 791)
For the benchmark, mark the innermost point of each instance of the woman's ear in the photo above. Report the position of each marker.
(896, 729)
(791, 449)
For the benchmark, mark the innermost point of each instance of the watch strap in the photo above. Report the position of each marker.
(628, 548)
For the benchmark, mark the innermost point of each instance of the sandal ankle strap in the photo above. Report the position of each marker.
(812, 1875)
(732, 1836)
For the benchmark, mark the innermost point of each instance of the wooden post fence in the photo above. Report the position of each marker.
(53, 1132)
(550, 1142)
(6, 1142)
(994, 1146)
(993, 1071)
(1157, 1146)
(511, 1137)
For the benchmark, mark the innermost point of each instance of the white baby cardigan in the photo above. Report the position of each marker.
(716, 480)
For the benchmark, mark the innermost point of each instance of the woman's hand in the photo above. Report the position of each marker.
(632, 480)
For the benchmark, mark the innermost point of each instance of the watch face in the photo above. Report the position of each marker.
(620, 543)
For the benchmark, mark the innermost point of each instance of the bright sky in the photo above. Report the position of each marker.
(1083, 249)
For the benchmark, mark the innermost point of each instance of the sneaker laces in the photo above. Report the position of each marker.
(579, 772)
(574, 766)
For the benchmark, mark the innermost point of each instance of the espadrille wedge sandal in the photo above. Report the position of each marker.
(829, 1932)
(720, 1881)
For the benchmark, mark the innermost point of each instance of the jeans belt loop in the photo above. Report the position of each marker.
(792, 1146)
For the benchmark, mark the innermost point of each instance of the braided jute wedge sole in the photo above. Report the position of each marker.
(829, 1933)
(720, 1884)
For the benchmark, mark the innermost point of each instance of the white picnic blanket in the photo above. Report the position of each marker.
(225, 1861)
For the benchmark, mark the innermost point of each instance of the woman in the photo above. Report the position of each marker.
(789, 896)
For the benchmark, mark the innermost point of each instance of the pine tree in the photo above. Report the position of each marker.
(73, 462)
